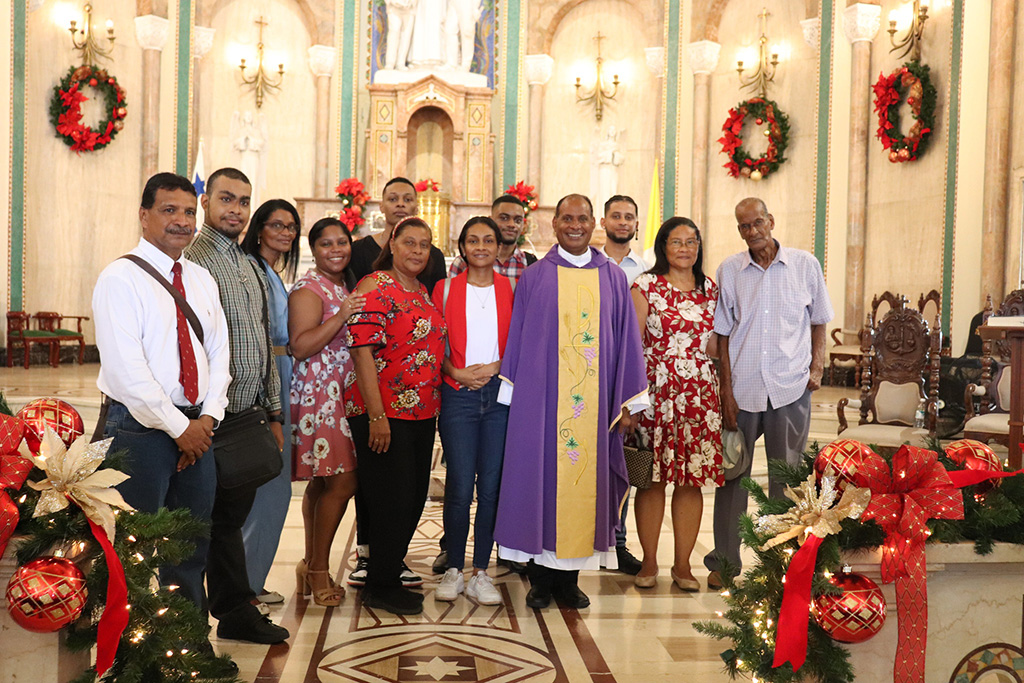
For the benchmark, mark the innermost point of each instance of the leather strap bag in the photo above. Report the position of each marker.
(245, 449)
(639, 463)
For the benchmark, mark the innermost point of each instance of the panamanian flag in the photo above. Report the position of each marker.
(199, 182)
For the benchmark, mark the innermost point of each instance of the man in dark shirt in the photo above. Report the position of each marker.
(398, 201)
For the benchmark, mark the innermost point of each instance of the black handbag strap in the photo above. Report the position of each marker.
(190, 315)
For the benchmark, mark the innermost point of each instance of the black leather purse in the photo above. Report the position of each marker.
(245, 449)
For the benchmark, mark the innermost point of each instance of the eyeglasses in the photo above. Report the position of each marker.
(691, 243)
(758, 224)
(277, 226)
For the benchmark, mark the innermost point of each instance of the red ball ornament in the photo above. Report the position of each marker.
(759, 121)
(58, 415)
(93, 82)
(903, 154)
(46, 594)
(974, 455)
(894, 157)
(111, 81)
(844, 456)
(854, 616)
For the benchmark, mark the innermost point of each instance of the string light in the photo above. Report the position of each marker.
(160, 612)
(170, 653)
(23, 499)
(131, 538)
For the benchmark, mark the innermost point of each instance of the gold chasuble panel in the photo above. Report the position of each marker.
(579, 327)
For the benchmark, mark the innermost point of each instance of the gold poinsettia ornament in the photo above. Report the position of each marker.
(813, 513)
(73, 474)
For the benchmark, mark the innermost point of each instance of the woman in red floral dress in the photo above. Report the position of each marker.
(675, 304)
(392, 400)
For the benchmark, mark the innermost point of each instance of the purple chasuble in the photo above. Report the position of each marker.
(527, 502)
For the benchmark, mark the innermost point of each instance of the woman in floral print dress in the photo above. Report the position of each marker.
(319, 308)
(675, 305)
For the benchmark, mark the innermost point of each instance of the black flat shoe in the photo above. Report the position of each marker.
(246, 623)
(572, 596)
(394, 600)
(538, 598)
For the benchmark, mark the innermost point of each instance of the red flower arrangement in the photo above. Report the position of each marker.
(765, 112)
(428, 184)
(913, 79)
(353, 196)
(66, 109)
(527, 194)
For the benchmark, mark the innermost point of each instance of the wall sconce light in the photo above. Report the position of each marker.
(261, 81)
(600, 93)
(911, 42)
(766, 67)
(88, 46)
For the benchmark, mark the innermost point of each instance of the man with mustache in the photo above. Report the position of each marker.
(164, 390)
(254, 381)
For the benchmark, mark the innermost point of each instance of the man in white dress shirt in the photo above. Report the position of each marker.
(164, 402)
(620, 224)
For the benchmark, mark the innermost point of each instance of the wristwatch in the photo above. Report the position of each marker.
(279, 418)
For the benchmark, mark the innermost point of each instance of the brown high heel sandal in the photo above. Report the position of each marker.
(325, 597)
(300, 578)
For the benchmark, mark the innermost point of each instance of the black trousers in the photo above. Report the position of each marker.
(227, 579)
(551, 580)
(394, 488)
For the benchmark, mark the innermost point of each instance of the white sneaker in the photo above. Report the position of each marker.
(481, 589)
(452, 583)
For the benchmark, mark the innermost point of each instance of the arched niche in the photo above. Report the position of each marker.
(430, 144)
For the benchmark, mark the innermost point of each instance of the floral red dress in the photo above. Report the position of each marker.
(320, 433)
(407, 335)
(683, 425)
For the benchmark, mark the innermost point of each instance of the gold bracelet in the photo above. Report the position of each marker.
(379, 417)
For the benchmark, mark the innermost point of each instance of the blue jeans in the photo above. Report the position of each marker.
(263, 527)
(152, 462)
(472, 427)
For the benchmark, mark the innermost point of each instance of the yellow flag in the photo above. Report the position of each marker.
(653, 211)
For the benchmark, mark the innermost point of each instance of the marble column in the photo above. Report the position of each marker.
(860, 23)
(703, 61)
(538, 73)
(151, 34)
(202, 41)
(654, 57)
(322, 59)
(994, 247)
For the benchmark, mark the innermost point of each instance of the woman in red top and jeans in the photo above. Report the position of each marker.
(477, 307)
(391, 401)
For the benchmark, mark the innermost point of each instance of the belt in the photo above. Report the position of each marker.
(281, 351)
(191, 412)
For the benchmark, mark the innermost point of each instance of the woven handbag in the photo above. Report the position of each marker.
(639, 465)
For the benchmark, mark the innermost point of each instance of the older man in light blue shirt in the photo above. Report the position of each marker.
(771, 315)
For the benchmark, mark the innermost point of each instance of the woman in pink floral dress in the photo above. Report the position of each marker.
(675, 304)
(318, 309)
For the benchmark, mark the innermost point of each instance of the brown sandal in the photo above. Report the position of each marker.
(326, 597)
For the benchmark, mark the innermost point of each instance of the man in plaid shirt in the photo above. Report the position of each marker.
(510, 215)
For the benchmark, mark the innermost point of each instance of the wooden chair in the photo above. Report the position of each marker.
(896, 356)
(846, 351)
(20, 332)
(990, 420)
(50, 321)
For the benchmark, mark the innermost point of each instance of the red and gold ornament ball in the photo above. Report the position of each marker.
(845, 456)
(855, 615)
(46, 594)
(58, 415)
(974, 455)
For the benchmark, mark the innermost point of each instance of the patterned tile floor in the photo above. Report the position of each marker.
(625, 636)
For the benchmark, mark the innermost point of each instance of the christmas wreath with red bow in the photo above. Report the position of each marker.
(66, 108)
(912, 80)
(776, 128)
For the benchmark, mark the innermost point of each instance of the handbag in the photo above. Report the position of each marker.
(245, 449)
(639, 464)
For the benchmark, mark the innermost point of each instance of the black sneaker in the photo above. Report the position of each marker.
(409, 578)
(357, 578)
(246, 623)
(440, 565)
(627, 563)
(394, 600)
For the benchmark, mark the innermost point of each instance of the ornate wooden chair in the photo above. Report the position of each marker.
(990, 420)
(897, 354)
(50, 321)
(846, 351)
(20, 333)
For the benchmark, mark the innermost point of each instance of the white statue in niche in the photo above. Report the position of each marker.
(460, 29)
(605, 159)
(428, 37)
(401, 23)
(249, 138)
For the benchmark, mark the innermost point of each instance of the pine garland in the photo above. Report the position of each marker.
(160, 620)
(753, 608)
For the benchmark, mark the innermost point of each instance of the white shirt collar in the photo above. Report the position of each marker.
(151, 253)
(578, 261)
(632, 256)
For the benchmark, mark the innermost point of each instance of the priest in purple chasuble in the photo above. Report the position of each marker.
(573, 375)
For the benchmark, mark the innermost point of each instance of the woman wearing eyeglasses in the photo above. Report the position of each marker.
(675, 306)
(271, 243)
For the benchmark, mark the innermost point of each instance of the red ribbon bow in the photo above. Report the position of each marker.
(14, 469)
(902, 501)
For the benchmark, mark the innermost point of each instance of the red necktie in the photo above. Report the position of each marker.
(189, 374)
